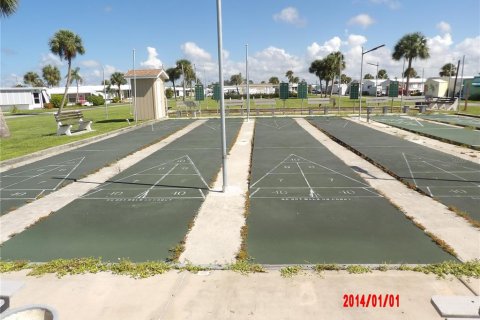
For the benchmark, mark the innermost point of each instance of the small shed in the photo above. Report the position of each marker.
(436, 88)
(148, 88)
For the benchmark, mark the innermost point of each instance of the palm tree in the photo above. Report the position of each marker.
(411, 46)
(236, 80)
(410, 72)
(8, 7)
(117, 79)
(274, 80)
(51, 74)
(66, 45)
(174, 74)
(382, 74)
(289, 75)
(368, 76)
(75, 76)
(334, 62)
(33, 79)
(345, 79)
(448, 70)
(188, 73)
(319, 68)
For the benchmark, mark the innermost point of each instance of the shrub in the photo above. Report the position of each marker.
(96, 100)
(169, 93)
(49, 105)
(56, 100)
(116, 100)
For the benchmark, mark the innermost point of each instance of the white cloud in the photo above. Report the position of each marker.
(152, 61)
(444, 27)
(439, 44)
(50, 58)
(290, 15)
(89, 63)
(316, 51)
(363, 20)
(392, 4)
(356, 40)
(193, 52)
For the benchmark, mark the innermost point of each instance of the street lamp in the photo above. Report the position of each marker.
(376, 76)
(222, 99)
(361, 78)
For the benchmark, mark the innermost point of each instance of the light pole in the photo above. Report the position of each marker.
(104, 93)
(222, 100)
(248, 84)
(376, 76)
(361, 78)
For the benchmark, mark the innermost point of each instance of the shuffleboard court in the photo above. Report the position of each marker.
(450, 180)
(453, 119)
(307, 206)
(30, 182)
(456, 135)
(139, 214)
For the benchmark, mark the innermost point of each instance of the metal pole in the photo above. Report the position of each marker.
(104, 93)
(184, 91)
(222, 100)
(456, 78)
(135, 90)
(403, 81)
(376, 82)
(461, 83)
(361, 84)
(339, 82)
(248, 83)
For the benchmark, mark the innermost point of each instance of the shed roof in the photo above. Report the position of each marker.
(147, 74)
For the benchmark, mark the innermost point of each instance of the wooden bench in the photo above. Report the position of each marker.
(66, 120)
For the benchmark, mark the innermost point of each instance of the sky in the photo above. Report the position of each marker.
(281, 35)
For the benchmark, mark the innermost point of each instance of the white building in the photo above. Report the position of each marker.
(23, 98)
(85, 91)
(416, 85)
(374, 87)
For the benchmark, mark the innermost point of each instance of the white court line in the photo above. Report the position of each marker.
(197, 171)
(308, 183)
(368, 189)
(460, 177)
(56, 166)
(64, 178)
(201, 192)
(278, 165)
(38, 195)
(251, 195)
(161, 178)
(419, 122)
(429, 191)
(210, 127)
(314, 188)
(409, 169)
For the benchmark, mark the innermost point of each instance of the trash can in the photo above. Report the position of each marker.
(369, 112)
(422, 108)
(325, 110)
(405, 109)
(385, 109)
(310, 111)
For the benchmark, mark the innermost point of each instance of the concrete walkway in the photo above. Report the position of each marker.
(215, 236)
(18, 220)
(229, 295)
(434, 216)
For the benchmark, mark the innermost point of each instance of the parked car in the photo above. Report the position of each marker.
(87, 104)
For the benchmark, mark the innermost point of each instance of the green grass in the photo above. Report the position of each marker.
(35, 133)
(475, 110)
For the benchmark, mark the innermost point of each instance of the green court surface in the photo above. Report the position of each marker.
(32, 181)
(455, 135)
(139, 214)
(446, 178)
(307, 206)
(453, 120)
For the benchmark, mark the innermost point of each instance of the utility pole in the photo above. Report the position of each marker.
(222, 98)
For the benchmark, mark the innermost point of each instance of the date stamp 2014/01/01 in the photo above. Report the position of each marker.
(371, 300)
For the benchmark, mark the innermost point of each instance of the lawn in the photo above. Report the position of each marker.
(38, 132)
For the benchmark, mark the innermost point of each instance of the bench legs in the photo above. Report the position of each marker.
(84, 125)
(64, 129)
